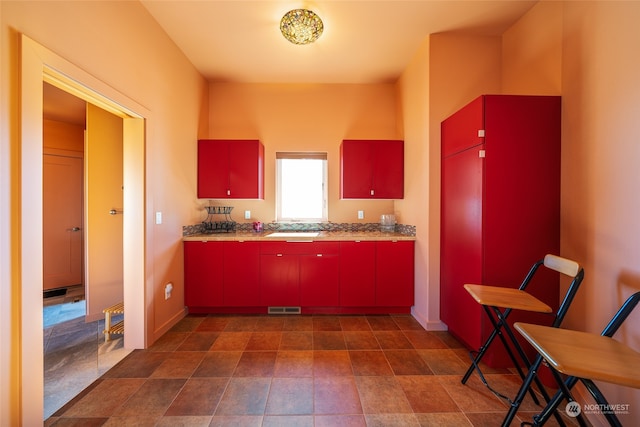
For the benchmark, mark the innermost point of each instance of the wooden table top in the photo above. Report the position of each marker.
(584, 355)
(496, 296)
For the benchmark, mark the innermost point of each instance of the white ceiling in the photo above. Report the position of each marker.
(363, 41)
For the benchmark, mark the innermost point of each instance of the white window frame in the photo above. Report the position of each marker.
(279, 191)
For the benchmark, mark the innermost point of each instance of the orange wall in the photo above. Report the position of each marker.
(532, 52)
(121, 45)
(600, 181)
(292, 117)
(583, 50)
(414, 92)
(440, 70)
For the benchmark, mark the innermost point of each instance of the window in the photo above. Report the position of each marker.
(301, 187)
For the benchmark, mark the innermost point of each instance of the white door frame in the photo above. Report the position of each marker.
(42, 65)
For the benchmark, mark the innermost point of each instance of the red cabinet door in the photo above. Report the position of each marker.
(461, 243)
(356, 169)
(395, 273)
(372, 169)
(213, 169)
(319, 276)
(388, 170)
(279, 280)
(357, 274)
(246, 164)
(203, 274)
(241, 274)
(230, 169)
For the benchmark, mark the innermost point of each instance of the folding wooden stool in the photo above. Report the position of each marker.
(498, 302)
(584, 357)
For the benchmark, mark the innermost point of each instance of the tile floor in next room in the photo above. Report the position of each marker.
(75, 351)
(297, 371)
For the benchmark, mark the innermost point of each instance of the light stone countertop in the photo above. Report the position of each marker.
(323, 236)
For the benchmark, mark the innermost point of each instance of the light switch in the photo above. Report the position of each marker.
(247, 214)
(360, 214)
(158, 217)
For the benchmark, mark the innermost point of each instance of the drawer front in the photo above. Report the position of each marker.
(300, 248)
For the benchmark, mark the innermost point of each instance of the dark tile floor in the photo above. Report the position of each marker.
(295, 371)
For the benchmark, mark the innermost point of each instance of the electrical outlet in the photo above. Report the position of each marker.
(247, 214)
(167, 290)
(360, 214)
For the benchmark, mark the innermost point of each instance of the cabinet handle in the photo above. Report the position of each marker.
(372, 192)
(278, 254)
(318, 254)
(228, 192)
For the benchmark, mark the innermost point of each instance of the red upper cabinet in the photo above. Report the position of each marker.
(230, 169)
(372, 169)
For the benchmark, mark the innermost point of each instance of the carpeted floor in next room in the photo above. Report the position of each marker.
(295, 371)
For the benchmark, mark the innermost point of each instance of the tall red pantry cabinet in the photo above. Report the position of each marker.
(500, 208)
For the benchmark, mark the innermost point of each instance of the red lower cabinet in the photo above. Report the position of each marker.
(299, 274)
(327, 277)
(395, 273)
(241, 275)
(319, 276)
(357, 274)
(203, 274)
(279, 280)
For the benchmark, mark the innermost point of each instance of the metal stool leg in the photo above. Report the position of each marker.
(543, 391)
(600, 399)
(497, 332)
(483, 349)
(500, 325)
(526, 386)
(552, 406)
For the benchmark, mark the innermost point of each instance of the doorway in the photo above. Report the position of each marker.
(64, 124)
(82, 186)
(39, 65)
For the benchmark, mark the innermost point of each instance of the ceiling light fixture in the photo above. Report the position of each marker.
(301, 26)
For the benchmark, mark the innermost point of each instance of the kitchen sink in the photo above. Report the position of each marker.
(288, 234)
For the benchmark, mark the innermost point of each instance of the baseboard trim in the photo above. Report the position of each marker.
(429, 325)
(164, 328)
